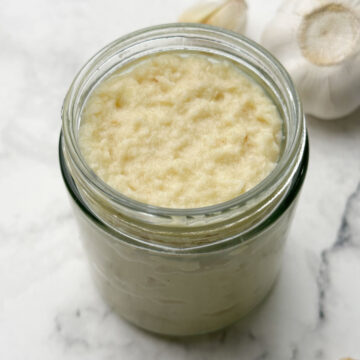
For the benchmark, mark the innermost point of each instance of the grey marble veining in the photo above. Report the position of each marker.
(49, 308)
(348, 238)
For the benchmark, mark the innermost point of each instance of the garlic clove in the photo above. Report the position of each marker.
(231, 16)
(199, 13)
(318, 42)
(228, 14)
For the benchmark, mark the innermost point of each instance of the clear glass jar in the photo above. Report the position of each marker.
(185, 271)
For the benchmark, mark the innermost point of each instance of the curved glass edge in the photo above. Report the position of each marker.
(204, 248)
(118, 199)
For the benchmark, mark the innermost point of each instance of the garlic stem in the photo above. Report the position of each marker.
(329, 34)
(318, 42)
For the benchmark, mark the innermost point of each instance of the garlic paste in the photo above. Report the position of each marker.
(180, 131)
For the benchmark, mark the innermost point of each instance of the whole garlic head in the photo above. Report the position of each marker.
(318, 42)
(228, 14)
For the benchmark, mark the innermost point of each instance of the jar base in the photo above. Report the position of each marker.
(184, 333)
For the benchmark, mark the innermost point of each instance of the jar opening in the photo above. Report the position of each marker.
(249, 56)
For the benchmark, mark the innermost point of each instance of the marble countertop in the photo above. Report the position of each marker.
(49, 308)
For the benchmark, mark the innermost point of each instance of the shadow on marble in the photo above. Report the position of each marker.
(348, 125)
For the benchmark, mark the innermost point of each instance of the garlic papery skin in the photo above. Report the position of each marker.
(318, 42)
(228, 14)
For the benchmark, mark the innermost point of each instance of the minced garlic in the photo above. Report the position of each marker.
(180, 131)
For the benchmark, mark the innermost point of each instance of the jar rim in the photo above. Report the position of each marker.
(119, 199)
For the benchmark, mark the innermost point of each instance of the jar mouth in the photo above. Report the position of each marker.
(291, 107)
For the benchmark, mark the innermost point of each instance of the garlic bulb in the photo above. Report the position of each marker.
(228, 14)
(318, 42)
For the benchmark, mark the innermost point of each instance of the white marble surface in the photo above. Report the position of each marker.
(48, 306)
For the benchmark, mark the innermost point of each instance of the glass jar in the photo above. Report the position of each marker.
(185, 271)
